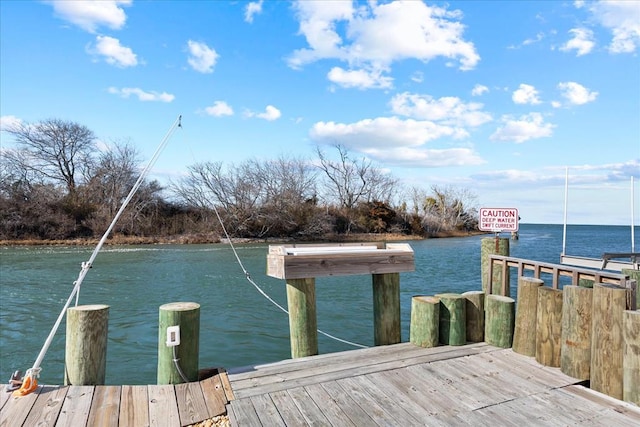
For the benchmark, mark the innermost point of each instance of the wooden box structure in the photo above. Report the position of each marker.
(338, 259)
(299, 265)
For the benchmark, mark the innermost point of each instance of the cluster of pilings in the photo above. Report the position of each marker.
(86, 343)
(591, 331)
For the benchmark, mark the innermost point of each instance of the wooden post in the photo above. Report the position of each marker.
(609, 303)
(303, 323)
(549, 326)
(86, 345)
(634, 275)
(475, 315)
(453, 319)
(499, 322)
(586, 283)
(185, 315)
(631, 357)
(386, 308)
(575, 348)
(493, 246)
(425, 318)
(524, 337)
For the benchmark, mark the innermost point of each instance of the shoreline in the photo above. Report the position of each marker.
(214, 239)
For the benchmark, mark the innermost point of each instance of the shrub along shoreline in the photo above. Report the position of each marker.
(215, 239)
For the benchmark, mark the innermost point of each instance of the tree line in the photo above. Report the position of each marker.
(55, 183)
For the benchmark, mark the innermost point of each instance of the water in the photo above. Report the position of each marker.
(238, 325)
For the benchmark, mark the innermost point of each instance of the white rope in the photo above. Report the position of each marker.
(263, 293)
(35, 370)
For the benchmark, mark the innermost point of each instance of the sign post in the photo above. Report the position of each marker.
(498, 219)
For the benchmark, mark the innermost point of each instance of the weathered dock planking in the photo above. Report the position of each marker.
(394, 385)
(126, 405)
(405, 385)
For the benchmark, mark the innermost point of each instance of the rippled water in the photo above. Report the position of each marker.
(238, 325)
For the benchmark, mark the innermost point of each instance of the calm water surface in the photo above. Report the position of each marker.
(238, 325)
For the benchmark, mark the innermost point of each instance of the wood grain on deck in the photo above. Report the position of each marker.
(396, 385)
(118, 406)
(403, 385)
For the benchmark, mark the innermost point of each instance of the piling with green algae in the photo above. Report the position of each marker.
(425, 321)
(386, 308)
(185, 315)
(493, 246)
(301, 300)
(499, 321)
(634, 275)
(475, 315)
(453, 319)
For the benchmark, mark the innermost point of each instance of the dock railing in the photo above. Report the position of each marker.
(555, 270)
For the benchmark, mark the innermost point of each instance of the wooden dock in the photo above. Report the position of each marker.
(405, 385)
(126, 405)
(396, 385)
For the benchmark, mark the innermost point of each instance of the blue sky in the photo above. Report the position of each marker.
(496, 97)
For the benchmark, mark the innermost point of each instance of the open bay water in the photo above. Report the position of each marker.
(238, 326)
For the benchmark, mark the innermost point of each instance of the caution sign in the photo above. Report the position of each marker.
(498, 219)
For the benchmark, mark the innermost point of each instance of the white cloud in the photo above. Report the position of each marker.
(360, 79)
(142, 95)
(576, 94)
(318, 25)
(219, 109)
(526, 94)
(271, 113)
(582, 41)
(449, 110)
(202, 58)
(529, 126)
(90, 15)
(479, 90)
(9, 122)
(396, 141)
(426, 158)
(113, 52)
(253, 8)
(381, 132)
(375, 35)
(622, 18)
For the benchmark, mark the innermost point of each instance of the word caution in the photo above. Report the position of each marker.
(498, 219)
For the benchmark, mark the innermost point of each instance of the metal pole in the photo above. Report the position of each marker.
(633, 249)
(566, 195)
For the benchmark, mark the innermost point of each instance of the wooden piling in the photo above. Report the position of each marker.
(493, 246)
(86, 345)
(549, 326)
(634, 275)
(609, 303)
(631, 357)
(575, 342)
(475, 315)
(185, 315)
(425, 321)
(303, 323)
(453, 315)
(499, 321)
(524, 336)
(386, 308)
